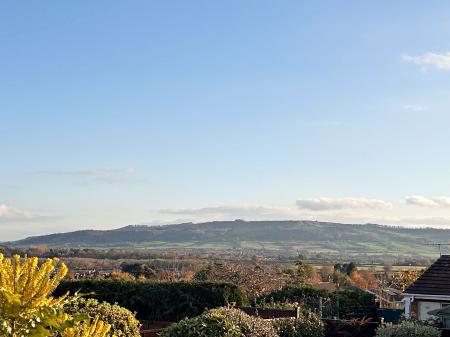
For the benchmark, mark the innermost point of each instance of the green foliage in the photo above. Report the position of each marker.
(354, 301)
(206, 325)
(222, 322)
(230, 322)
(304, 296)
(350, 301)
(304, 273)
(211, 271)
(249, 326)
(408, 329)
(139, 270)
(307, 324)
(347, 268)
(123, 322)
(159, 301)
(340, 279)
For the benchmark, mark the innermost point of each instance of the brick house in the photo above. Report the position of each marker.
(430, 291)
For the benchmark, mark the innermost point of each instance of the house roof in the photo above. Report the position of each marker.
(435, 280)
(329, 286)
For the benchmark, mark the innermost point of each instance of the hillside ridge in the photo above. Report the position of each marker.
(266, 235)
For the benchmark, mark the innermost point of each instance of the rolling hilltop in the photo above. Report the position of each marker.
(283, 236)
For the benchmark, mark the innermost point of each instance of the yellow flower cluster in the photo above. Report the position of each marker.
(95, 329)
(27, 307)
(28, 284)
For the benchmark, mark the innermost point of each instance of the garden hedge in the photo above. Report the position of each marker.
(158, 301)
(350, 301)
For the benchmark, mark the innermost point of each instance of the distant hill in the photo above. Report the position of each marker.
(283, 236)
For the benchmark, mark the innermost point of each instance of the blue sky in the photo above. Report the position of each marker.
(115, 113)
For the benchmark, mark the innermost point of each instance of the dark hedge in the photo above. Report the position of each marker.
(158, 301)
(350, 302)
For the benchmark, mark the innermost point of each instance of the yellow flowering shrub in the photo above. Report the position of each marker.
(95, 329)
(27, 307)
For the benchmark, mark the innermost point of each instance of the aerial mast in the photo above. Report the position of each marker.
(440, 245)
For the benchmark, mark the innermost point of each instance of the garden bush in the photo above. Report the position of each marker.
(159, 301)
(308, 324)
(222, 322)
(122, 321)
(408, 329)
(249, 326)
(206, 325)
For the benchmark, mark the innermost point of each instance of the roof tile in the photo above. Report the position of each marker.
(435, 280)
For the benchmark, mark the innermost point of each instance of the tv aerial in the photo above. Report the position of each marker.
(439, 245)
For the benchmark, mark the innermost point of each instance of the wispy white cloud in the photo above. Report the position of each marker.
(398, 219)
(9, 212)
(353, 210)
(422, 201)
(12, 214)
(440, 61)
(414, 107)
(235, 211)
(325, 204)
(108, 175)
(357, 213)
(425, 221)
